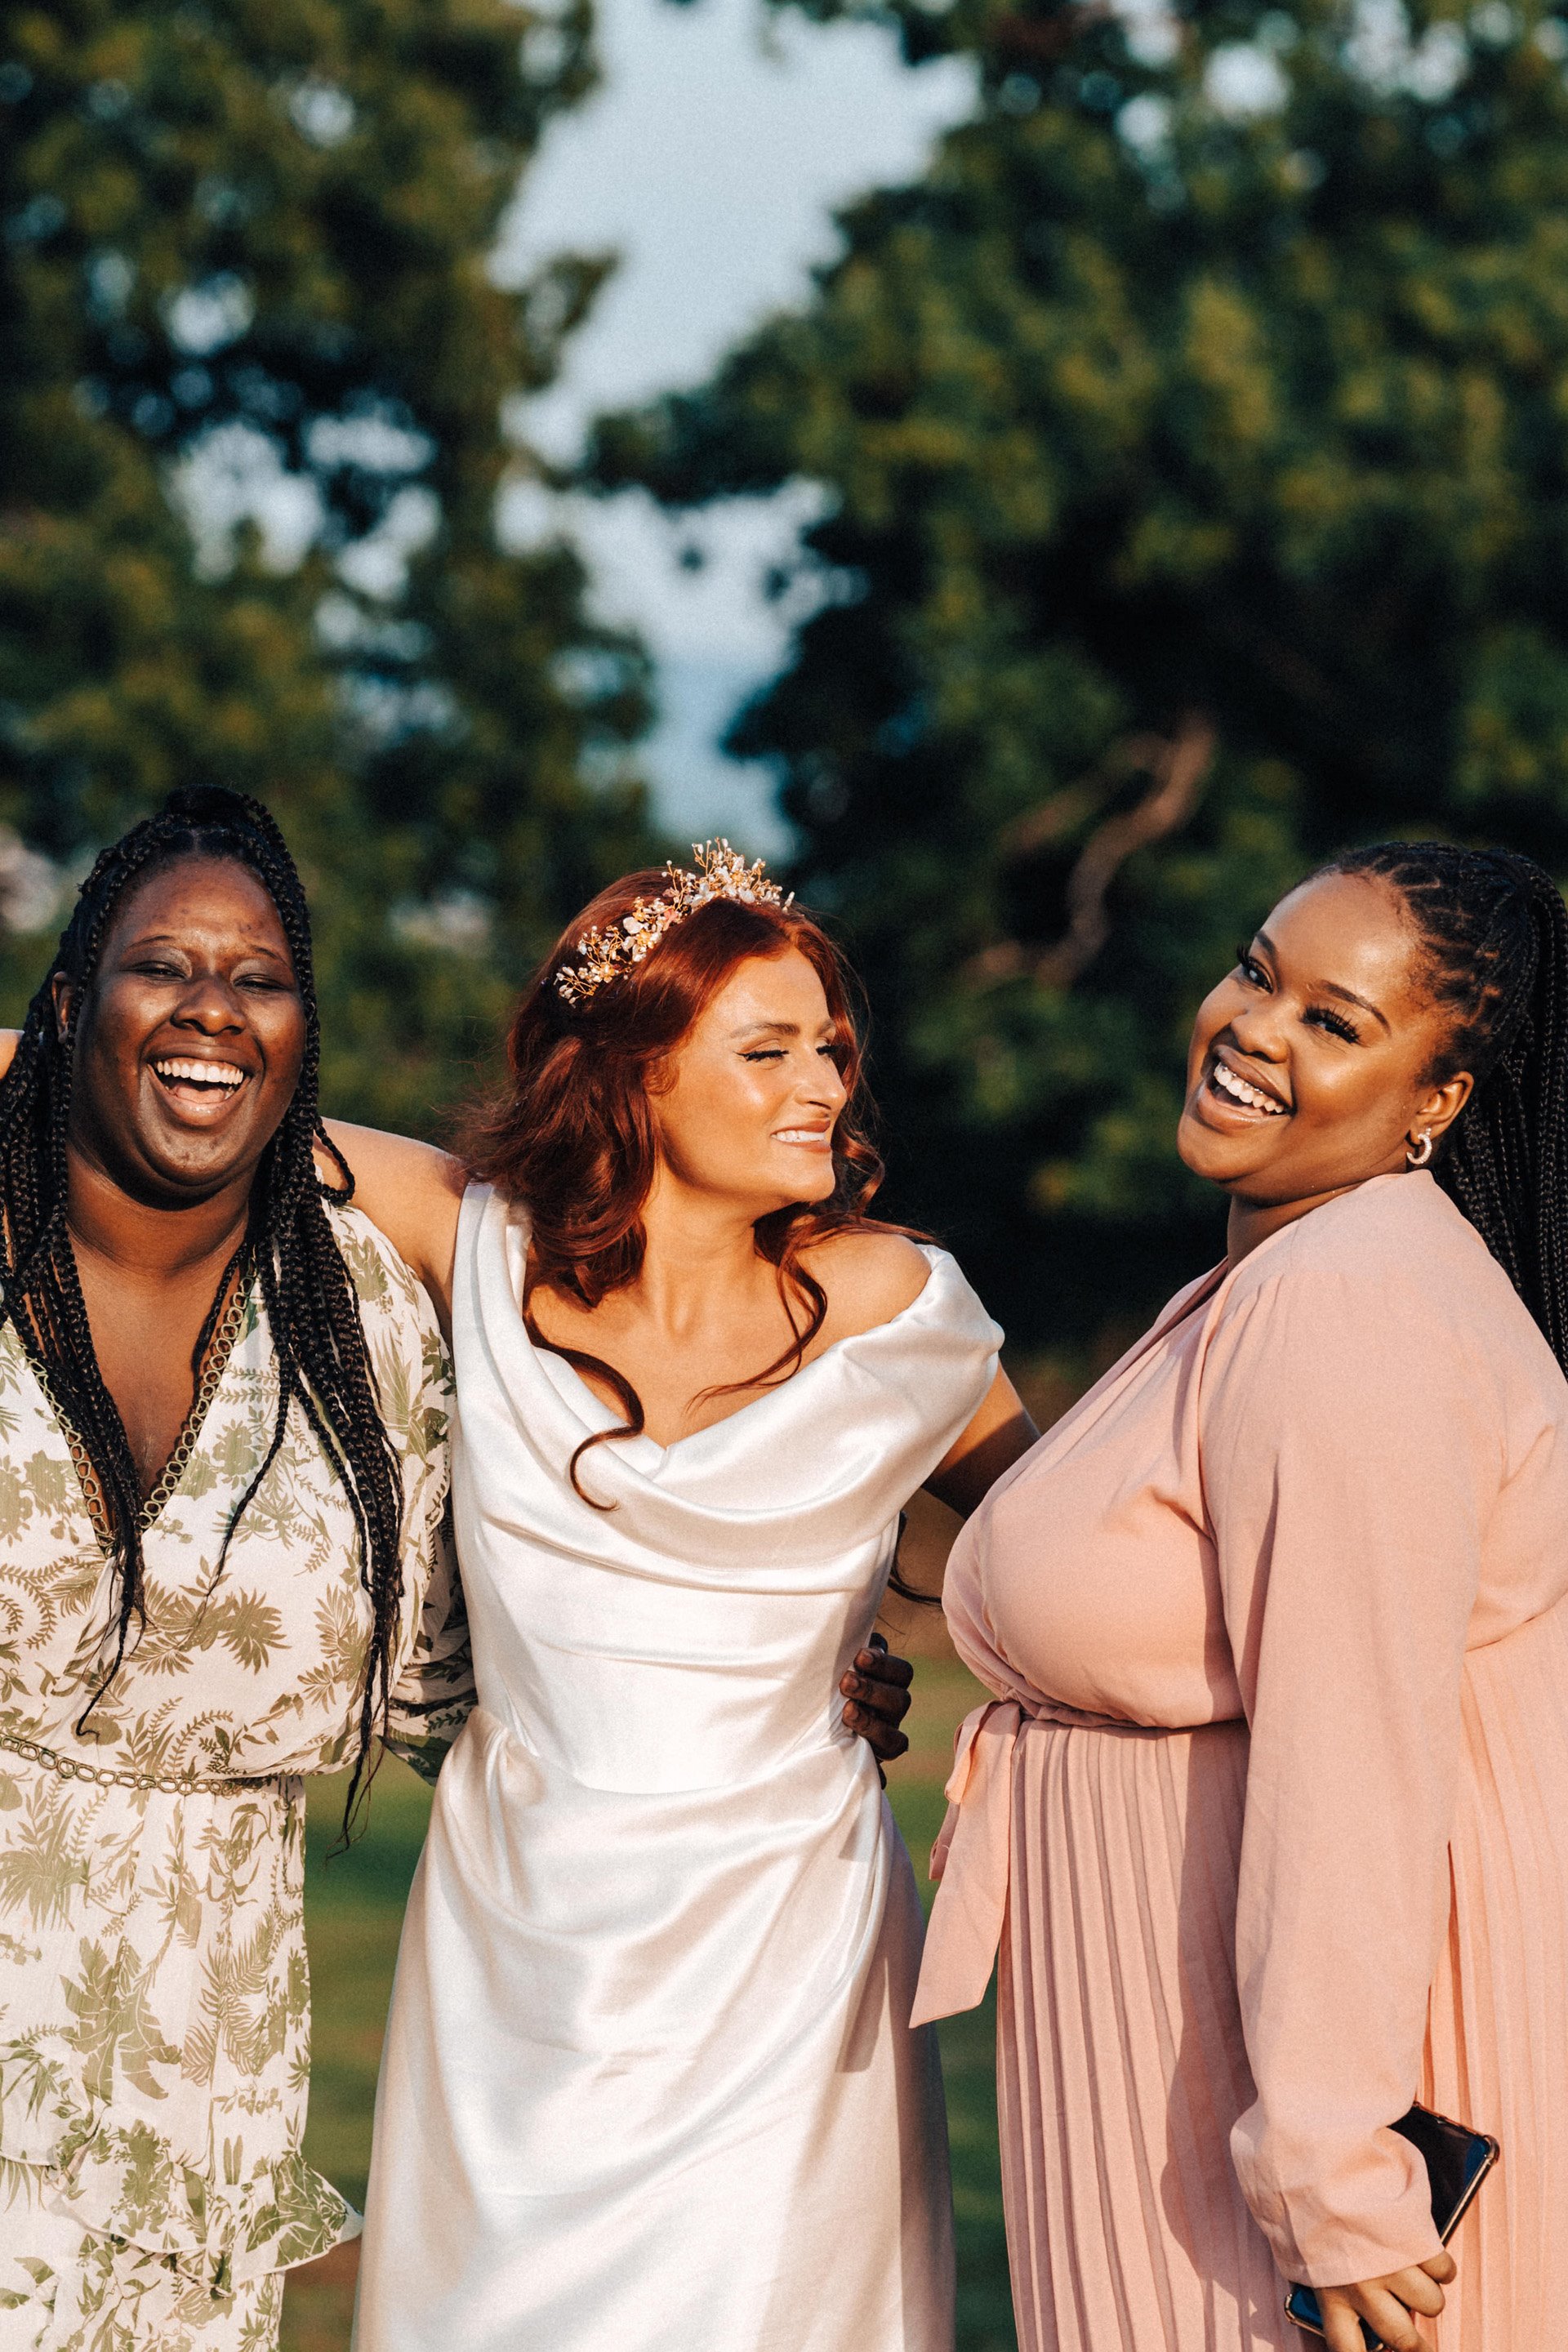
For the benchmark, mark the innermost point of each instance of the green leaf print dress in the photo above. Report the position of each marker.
(154, 2003)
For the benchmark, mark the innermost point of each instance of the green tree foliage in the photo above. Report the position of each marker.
(257, 233)
(1194, 438)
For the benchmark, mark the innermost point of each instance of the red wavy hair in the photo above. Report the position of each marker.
(573, 1135)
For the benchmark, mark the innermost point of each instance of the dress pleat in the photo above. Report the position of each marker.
(1120, 2066)
(1497, 2044)
(1271, 1800)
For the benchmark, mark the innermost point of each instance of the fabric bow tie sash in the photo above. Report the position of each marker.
(971, 1860)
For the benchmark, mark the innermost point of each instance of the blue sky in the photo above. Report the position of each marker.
(712, 159)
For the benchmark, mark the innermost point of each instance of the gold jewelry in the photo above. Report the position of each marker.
(606, 952)
(170, 1784)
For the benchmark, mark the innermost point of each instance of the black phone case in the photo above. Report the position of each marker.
(1457, 2160)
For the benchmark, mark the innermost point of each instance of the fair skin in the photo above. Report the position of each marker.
(1310, 1073)
(744, 1111)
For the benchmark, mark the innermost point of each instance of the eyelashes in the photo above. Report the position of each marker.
(1322, 1016)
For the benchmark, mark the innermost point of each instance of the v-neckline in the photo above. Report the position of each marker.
(219, 1354)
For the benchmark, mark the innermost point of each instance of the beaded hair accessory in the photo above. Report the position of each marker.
(606, 952)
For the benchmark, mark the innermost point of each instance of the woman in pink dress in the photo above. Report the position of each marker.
(1270, 1815)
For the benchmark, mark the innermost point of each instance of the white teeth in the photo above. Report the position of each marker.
(210, 1073)
(801, 1135)
(1252, 1097)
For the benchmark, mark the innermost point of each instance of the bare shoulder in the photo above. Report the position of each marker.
(869, 1277)
(412, 1191)
(375, 1157)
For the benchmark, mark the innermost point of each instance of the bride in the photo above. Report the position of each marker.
(649, 2082)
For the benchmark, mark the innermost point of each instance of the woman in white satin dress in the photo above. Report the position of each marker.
(649, 2084)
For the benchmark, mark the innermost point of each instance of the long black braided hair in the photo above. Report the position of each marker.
(1494, 936)
(290, 1253)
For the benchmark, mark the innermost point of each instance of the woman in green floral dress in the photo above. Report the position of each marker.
(223, 1471)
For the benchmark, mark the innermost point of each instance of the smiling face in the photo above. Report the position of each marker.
(189, 1033)
(747, 1104)
(1309, 1070)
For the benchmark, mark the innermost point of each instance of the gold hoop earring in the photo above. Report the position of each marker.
(1416, 1155)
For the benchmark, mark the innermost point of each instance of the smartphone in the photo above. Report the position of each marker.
(1457, 2160)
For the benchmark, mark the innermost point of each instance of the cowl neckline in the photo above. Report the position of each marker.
(847, 1423)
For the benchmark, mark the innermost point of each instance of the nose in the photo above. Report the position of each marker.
(823, 1087)
(210, 1004)
(1259, 1029)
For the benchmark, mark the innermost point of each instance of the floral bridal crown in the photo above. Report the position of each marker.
(606, 952)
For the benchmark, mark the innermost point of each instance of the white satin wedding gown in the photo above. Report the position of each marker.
(649, 2084)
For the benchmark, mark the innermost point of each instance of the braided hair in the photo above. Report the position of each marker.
(290, 1253)
(1494, 939)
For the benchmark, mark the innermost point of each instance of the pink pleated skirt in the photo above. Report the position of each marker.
(1120, 2062)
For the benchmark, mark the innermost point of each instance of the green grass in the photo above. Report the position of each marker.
(353, 1905)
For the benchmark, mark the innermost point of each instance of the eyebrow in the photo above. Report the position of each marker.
(179, 939)
(828, 1030)
(1333, 988)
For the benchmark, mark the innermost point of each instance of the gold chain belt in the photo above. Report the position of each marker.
(169, 1784)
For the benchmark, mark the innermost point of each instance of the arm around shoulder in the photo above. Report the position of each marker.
(413, 1191)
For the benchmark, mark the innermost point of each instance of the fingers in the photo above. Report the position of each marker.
(1387, 2305)
(888, 1706)
(885, 1743)
(879, 1661)
(877, 1687)
(1343, 2309)
(1418, 2288)
(1443, 2268)
(1388, 2318)
(1341, 2329)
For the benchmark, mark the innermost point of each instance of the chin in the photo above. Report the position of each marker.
(822, 1191)
(1218, 1159)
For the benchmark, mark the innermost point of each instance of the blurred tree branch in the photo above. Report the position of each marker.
(1178, 767)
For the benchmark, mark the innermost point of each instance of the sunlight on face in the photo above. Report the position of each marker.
(1310, 1062)
(747, 1105)
(192, 1034)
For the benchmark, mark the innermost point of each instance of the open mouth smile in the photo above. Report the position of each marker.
(190, 1081)
(1236, 1093)
(818, 1139)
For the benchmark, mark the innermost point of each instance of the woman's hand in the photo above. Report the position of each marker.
(877, 1696)
(1385, 2304)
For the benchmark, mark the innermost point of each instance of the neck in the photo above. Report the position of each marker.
(1251, 1222)
(700, 1250)
(139, 1239)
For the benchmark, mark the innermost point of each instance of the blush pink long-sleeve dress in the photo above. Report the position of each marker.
(1271, 1812)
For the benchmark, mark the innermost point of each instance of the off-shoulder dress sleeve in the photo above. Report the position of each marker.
(1349, 1457)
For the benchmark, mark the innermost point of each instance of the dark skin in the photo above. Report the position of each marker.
(195, 970)
(1326, 1023)
(194, 977)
